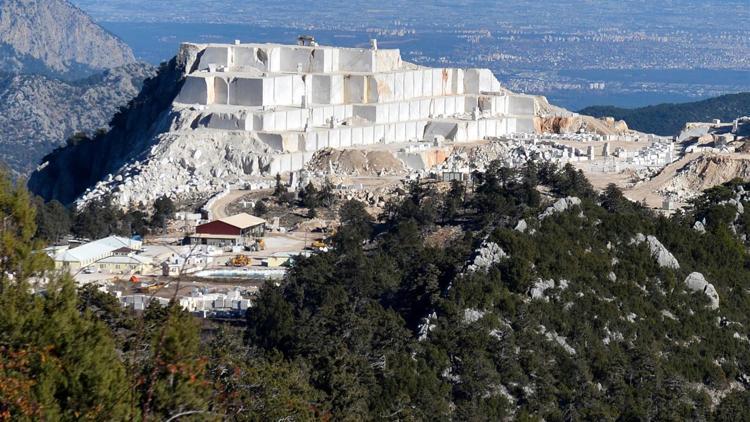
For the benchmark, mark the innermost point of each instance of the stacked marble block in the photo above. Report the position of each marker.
(300, 99)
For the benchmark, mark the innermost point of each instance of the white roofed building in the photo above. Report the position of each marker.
(90, 253)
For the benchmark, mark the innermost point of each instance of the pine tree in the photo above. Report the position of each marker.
(56, 363)
(174, 376)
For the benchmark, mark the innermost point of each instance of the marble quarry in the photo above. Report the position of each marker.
(298, 99)
(247, 112)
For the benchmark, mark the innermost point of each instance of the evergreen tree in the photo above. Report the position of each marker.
(175, 381)
(164, 210)
(260, 209)
(56, 363)
(53, 220)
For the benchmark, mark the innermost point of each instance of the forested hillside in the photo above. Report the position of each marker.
(530, 297)
(38, 114)
(669, 119)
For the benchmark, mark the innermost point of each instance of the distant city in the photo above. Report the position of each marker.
(578, 53)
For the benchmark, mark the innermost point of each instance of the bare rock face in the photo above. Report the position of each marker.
(561, 205)
(697, 283)
(660, 253)
(575, 123)
(56, 34)
(489, 253)
(38, 114)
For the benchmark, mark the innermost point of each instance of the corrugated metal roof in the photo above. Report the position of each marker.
(96, 249)
(134, 259)
(243, 220)
(214, 236)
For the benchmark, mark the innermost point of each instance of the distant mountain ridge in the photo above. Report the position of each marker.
(38, 113)
(55, 38)
(60, 73)
(669, 119)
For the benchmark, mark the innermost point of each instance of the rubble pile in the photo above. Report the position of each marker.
(704, 172)
(576, 123)
(185, 165)
(376, 197)
(355, 162)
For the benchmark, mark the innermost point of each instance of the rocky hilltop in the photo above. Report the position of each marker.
(67, 172)
(204, 123)
(56, 38)
(60, 74)
(38, 113)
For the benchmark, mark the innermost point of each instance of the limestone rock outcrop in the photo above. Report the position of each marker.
(697, 282)
(488, 254)
(561, 205)
(660, 253)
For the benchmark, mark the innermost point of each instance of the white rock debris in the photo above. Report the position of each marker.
(563, 204)
(553, 336)
(426, 326)
(522, 226)
(697, 283)
(663, 257)
(472, 315)
(488, 254)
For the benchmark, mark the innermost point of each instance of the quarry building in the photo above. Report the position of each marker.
(237, 230)
(299, 99)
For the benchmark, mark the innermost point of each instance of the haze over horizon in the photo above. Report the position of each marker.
(578, 53)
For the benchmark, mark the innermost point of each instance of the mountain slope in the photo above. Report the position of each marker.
(54, 37)
(597, 310)
(669, 119)
(67, 172)
(38, 113)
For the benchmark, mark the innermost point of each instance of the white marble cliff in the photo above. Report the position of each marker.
(254, 110)
(298, 99)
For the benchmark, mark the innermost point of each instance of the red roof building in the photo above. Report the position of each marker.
(237, 230)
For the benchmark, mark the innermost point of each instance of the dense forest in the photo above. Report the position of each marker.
(525, 295)
(669, 119)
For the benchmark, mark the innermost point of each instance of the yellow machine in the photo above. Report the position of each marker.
(319, 245)
(240, 261)
(150, 288)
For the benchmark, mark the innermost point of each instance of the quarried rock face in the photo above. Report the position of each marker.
(244, 112)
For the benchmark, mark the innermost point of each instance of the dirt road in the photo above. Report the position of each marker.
(219, 208)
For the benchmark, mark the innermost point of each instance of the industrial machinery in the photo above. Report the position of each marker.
(240, 261)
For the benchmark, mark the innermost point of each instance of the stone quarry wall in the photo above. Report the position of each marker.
(254, 110)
